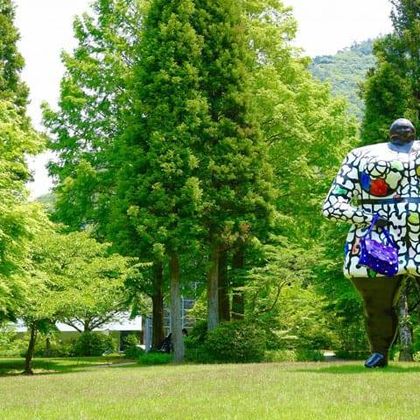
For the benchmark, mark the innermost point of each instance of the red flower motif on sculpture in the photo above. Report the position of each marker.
(378, 187)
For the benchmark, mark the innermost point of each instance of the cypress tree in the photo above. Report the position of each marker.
(160, 178)
(234, 171)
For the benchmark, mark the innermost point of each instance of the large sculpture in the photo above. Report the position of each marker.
(380, 179)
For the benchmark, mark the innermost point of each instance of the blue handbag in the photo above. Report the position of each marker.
(379, 257)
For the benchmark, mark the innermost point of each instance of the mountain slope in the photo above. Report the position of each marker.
(345, 71)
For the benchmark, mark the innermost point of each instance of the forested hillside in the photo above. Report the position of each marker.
(345, 71)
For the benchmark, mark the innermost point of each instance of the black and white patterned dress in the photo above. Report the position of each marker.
(382, 178)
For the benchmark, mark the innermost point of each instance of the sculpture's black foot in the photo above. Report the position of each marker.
(376, 360)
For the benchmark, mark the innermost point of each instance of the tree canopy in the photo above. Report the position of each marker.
(392, 88)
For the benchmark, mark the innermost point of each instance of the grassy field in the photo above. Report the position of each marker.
(69, 389)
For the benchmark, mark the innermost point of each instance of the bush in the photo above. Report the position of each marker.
(297, 355)
(92, 344)
(132, 349)
(198, 334)
(56, 348)
(197, 353)
(11, 343)
(309, 355)
(154, 358)
(237, 341)
(274, 356)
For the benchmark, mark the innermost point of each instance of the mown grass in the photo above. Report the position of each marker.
(254, 391)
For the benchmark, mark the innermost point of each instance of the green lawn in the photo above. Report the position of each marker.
(81, 390)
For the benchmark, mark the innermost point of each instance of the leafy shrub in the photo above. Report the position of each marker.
(154, 358)
(280, 356)
(309, 355)
(92, 344)
(197, 353)
(273, 341)
(297, 355)
(198, 334)
(56, 348)
(195, 348)
(132, 350)
(12, 344)
(237, 341)
(304, 320)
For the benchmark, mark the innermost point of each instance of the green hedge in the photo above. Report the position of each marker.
(236, 342)
(154, 358)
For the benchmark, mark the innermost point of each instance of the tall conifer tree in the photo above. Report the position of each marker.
(160, 179)
(234, 171)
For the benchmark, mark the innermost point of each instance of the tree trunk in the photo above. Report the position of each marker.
(212, 289)
(224, 305)
(176, 321)
(157, 304)
(238, 299)
(86, 325)
(406, 331)
(31, 347)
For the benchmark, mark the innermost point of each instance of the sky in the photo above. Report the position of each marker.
(324, 27)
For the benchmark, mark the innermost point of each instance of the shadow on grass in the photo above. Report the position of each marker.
(13, 367)
(357, 369)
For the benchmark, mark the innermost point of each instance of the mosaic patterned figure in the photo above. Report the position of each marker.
(385, 179)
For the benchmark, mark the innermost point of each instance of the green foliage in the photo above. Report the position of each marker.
(298, 355)
(93, 99)
(11, 344)
(92, 344)
(19, 221)
(95, 107)
(132, 347)
(392, 89)
(198, 334)
(50, 345)
(304, 319)
(165, 148)
(309, 132)
(236, 342)
(235, 173)
(12, 88)
(159, 179)
(308, 355)
(387, 98)
(195, 344)
(277, 356)
(345, 71)
(79, 280)
(276, 264)
(154, 358)
(75, 280)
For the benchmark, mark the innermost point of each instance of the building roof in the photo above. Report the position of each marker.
(124, 323)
